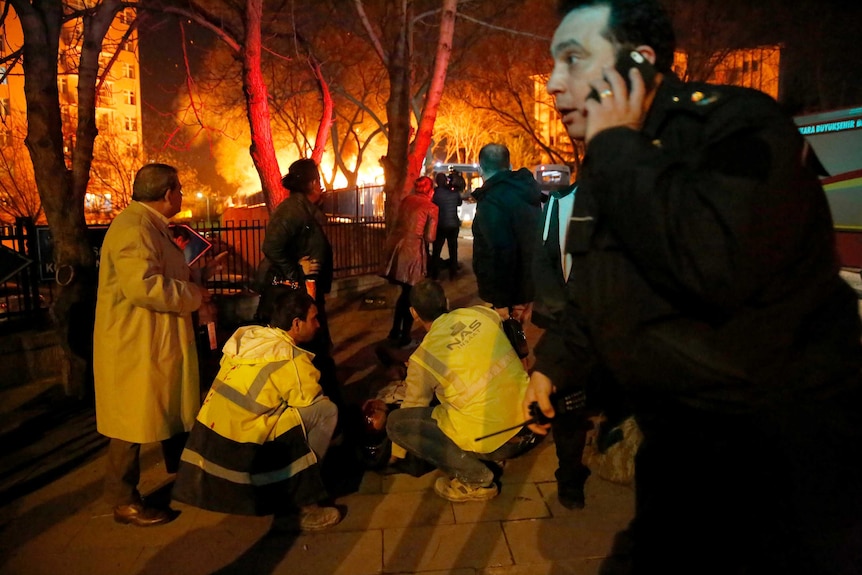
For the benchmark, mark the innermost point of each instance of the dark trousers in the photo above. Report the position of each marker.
(321, 347)
(124, 467)
(415, 430)
(450, 237)
(402, 324)
(570, 438)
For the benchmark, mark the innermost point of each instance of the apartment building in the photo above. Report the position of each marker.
(118, 149)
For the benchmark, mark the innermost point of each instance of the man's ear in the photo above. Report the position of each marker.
(647, 52)
(414, 314)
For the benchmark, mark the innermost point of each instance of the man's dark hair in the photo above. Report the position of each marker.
(633, 23)
(442, 180)
(293, 304)
(429, 300)
(153, 181)
(494, 158)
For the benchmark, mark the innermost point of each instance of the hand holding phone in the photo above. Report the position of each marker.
(626, 60)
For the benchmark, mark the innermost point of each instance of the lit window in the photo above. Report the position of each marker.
(130, 97)
(105, 97)
(4, 107)
(104, 122)
(131, 124)
(128, 70)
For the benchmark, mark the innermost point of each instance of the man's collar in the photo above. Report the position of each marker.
(560, 194)
(160, 215)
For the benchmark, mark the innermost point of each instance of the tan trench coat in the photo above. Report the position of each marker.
(145, 361)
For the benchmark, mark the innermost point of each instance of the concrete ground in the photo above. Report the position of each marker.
(393, 523)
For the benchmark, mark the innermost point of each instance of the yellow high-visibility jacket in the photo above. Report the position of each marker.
(263, 374)
(247, 452)
(467, 361)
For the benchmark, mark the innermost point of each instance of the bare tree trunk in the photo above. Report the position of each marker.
(422, 142)
(398, 116)
(327, 117)
(257, 106)
(61, 195)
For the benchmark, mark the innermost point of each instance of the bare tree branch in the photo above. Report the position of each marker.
(372, 35)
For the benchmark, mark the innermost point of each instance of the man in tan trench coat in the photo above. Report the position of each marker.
(145, 362)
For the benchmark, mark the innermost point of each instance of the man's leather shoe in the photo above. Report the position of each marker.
(140, 515)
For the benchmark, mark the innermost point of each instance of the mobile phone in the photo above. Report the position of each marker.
(626, 60)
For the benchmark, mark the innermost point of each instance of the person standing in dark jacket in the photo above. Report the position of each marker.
(551, 267)
(507, 216)
(705, 278)
(299, 256)
(447, 199)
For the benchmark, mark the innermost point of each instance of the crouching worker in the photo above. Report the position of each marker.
(467, 362)
(265, 426)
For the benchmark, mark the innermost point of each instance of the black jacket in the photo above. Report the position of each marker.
(705, 270)
(447, 202)
(294, 231)
(507, 215)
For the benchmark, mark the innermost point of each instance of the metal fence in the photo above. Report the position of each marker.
(357, 245)
(23, 299)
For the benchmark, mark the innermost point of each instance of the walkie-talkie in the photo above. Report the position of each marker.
(562, 404)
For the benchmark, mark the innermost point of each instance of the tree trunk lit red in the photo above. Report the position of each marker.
(419, 148)
(327, 117)
(257, 107)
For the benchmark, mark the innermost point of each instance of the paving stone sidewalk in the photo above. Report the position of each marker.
(393, 523)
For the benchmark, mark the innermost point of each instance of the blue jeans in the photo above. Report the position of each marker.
(413, 429)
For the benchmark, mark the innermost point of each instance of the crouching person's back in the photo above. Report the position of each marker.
(264, 428)
(466, 361)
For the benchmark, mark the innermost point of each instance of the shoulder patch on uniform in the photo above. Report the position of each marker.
(699, 98)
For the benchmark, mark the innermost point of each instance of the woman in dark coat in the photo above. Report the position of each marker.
(407, 247)
(300, 257)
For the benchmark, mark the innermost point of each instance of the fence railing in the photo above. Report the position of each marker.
(23, 299)
(357, 245)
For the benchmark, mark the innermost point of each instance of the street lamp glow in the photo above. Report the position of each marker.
(200, 195)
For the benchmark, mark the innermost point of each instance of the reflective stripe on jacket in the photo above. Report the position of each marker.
(466, 360)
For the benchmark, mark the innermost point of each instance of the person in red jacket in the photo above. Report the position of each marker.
(407, 249)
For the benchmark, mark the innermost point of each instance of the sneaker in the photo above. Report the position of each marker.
(309, 518)
(317, 518)
(456, 491)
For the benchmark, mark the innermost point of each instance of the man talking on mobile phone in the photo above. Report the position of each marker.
(705, 279)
